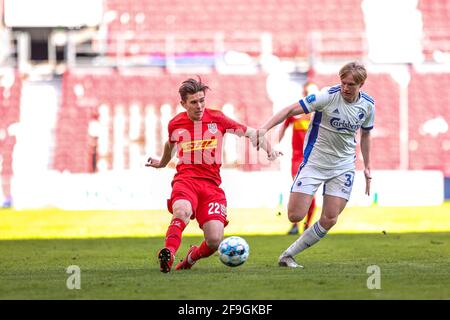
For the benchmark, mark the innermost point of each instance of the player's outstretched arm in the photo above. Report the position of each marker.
(165, 159)
(281, 132)
(365, 150)
(272, 154)
(289, 111)
(280, 116)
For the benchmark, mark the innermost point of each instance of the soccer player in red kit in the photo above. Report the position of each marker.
(300, 126)
(196, 135)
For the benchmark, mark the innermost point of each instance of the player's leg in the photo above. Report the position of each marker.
(296, 210)
(211, 216)
(299, 204)
(303, 189)
(295, 165)
(182, 211)
(332, 208)
(336, 194)
(213, 232)
(182, 204)
(310, 214)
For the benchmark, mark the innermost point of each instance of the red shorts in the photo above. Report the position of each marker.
(207, 199)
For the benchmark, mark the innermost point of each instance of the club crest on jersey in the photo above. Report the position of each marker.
(311, 98)
(212, 127)
(360, 115)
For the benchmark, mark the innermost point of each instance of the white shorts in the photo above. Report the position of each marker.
(337, 183)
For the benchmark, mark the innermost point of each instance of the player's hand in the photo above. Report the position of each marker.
(274, 155)
(368, 176)
(260, 138)
(153, 163)
(253, 137)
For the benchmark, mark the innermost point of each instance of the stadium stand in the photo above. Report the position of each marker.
(429, 135)
(143, 26)
(435, 27)
(83, 93)
(297, 28)
(10, 94)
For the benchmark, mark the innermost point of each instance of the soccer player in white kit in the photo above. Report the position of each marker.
(329, 153)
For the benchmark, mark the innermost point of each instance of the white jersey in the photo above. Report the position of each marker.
(331, 138)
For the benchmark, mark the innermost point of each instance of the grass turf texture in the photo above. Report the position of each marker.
(414, 265)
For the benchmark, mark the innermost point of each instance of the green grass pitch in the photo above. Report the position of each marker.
(413, 265)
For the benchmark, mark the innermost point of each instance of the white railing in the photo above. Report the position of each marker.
(127, 47)
(335, 45)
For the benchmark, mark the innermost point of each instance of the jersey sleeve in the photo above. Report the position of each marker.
(370, 120)
(232, 126)
(316, 101)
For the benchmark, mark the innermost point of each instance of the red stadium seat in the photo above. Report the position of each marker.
(9, 114)
(289, 21)
(428, 122)
(435, 27)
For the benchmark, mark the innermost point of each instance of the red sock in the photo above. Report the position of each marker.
(310, 214)
(173, 235)
(202, 252)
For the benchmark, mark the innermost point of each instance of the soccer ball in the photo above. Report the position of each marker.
(233, 251)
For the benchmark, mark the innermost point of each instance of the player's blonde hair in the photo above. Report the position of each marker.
(357, 70)
(191, 86)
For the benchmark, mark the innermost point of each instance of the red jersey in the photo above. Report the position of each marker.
(199, 144)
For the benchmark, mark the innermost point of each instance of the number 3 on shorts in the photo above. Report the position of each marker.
(349, 181)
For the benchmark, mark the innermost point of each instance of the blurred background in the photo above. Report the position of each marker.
(87, 88)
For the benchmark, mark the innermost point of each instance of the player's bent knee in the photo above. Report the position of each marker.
(213, 242)
(295, 217)
(182, 213)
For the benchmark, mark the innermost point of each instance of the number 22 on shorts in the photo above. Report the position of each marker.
(217, 208)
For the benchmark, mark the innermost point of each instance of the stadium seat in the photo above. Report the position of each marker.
(435, 27)
(429, 118)
(289, 21)
(10, 96)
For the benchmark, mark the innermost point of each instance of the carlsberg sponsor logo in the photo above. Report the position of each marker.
(341, 124)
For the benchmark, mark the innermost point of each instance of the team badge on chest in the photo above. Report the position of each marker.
(212, 127)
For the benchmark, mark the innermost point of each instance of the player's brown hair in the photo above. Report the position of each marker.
(191, 86)
(357, 70)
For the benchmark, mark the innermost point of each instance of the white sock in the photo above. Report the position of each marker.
(189, 259)
(306, 240)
